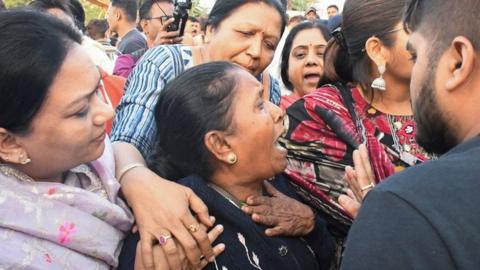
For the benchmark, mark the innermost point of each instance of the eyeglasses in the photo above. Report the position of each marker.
(163, 19)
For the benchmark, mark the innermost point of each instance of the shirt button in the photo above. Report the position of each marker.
(283, 250)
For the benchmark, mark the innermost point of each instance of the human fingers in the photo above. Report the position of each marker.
(269, 221)
(275, 231)
(200, 209)
(366, 162)
(349, 204)
(170, 252)
(261, 209)
(167, 23)
(259, 200)
(351, 179)
(200, 236)
(138, 265)
(217, 250)
(188, 243)
(146, 242)
(364, 182)
(160, 259)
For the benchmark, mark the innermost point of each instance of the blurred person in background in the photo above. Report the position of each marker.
(155, 17)
(122, 19)
(97, 30)
(332, 10)
(2, 5)
(62, 10)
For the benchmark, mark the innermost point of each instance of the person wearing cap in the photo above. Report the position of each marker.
(311, 14)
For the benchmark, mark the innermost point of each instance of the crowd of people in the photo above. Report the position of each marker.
(247, 140)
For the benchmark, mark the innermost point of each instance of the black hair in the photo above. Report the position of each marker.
(97, 29)
(194, 103)
(34, 47)
(45, 5)
(347, 61)
(193, 19)
(144, 12)
(78, 14)
(333, 6)
(423, 16)
(285, 62)
(224, 8)
(298, 18)
(129, 7)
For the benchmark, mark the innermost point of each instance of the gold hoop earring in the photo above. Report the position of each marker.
(232, 158)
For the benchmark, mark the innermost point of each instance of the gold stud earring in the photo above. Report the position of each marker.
(24, 160)
(232, 158)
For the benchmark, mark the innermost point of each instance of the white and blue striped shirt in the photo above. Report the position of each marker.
(135, 121)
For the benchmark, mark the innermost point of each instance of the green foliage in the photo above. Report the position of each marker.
(301, 5)
(197, 10)
(91, 11)
(16, 3)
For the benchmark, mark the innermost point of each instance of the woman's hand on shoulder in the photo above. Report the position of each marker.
(162, 208)
(282, 214)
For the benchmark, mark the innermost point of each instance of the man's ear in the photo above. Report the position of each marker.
(118, 14)
(376, 51)
(461, 60)
(218, 144)
(11, 150)
(143, 24)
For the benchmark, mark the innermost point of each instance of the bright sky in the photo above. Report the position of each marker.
(321, 5)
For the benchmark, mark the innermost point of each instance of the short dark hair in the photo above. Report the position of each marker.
(193, 19)
(333, 6)
(197, 101)
(428, 18)
(78, 14)
(145, 9)
(298, 18)
(129, 7)
(347, 61)
(97, 29)
(224, 8)
(287, 48)
(34, 47)
(45, 5)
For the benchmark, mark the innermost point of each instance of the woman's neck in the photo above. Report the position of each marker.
(395, 100)
(239, 189)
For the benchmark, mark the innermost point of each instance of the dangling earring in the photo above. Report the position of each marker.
(379, 83)
(232, 158)
(24, 160)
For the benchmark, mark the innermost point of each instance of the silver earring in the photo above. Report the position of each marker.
(379, 83)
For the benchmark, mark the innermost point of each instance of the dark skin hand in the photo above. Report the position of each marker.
(282, 214)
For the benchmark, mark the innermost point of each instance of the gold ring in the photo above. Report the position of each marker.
(193, 228)
(369, 186)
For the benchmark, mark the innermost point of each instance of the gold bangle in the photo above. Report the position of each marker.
(127, 168)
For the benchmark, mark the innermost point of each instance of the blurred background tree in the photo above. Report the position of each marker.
(300, 5)
(91, 11)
